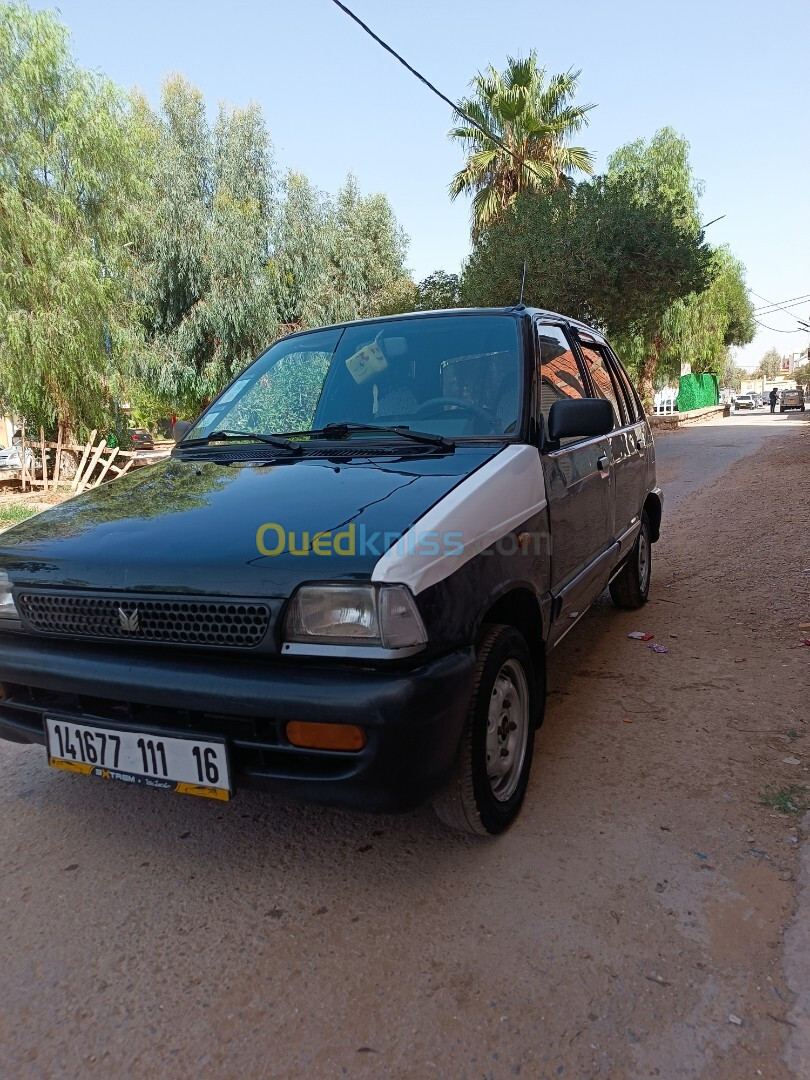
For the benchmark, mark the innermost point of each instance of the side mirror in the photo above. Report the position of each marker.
(181, 428)
(580, 418)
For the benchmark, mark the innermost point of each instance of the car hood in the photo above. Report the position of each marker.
(194, 526)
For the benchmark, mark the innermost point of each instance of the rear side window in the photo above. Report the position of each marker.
(634, 410)
(596, 363)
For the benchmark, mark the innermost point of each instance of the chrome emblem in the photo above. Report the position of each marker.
(129, 623)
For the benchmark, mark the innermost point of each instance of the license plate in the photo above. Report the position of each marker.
(187, 766)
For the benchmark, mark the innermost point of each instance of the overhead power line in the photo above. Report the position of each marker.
(776, 330)
(773, 308)
(790, 302)
(459, 112)
(782, 307)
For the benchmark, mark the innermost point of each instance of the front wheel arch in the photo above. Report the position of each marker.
(521, 609)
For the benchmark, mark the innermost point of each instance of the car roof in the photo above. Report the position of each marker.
(518, 310)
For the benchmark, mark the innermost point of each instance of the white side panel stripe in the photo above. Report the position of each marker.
(484, 508)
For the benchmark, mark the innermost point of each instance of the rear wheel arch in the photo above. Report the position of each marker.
(653, 509)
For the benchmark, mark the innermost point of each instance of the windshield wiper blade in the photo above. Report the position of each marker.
(343, 428)
(253, 436)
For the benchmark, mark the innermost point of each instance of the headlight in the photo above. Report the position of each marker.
(384, 617)
(8, 609)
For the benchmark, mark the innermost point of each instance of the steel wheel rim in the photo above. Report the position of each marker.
(643, 561)
(507, 730)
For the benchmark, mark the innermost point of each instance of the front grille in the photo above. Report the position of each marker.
(198, 622)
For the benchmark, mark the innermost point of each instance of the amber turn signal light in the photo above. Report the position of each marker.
(326, 736)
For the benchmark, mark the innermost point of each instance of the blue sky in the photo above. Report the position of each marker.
(732, 76)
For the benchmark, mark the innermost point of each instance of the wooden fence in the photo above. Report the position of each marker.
(95, 463)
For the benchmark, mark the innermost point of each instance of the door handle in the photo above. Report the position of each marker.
(602, 463)
(640, 444)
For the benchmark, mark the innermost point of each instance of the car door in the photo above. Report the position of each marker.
(578, 478)
(628, 441)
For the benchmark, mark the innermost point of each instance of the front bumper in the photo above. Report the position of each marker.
(413, 717)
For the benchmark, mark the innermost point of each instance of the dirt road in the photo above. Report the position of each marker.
(631, 924)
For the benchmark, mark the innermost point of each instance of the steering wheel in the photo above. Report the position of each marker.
(434, 405)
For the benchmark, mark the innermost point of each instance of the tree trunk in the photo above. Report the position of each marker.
(646, 379)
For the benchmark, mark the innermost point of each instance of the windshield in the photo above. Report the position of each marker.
(457, 376)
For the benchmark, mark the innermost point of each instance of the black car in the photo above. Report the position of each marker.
(141, 438)
(343, 583)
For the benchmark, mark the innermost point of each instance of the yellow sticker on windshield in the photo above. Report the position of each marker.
(366, 362)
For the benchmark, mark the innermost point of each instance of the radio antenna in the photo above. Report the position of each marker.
(522, 282)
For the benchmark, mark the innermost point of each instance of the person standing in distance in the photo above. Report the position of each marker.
(772, 398)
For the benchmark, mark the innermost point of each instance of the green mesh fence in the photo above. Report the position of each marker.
(697, 392)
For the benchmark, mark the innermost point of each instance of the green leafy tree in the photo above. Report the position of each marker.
(698, 330)
(368, 254)
(337, 259)
(599, 254)
(301, 259)
(731, 374)
(207, 287)
(770, 365)
(660, 174)
(439, 290)
(70, 181)
(531, 114)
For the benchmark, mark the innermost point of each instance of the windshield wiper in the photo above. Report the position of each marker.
(252, 436)
(343, 428)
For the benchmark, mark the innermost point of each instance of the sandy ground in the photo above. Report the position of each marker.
(640, 919)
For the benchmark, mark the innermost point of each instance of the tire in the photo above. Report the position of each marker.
(486, 791)
(631, 586)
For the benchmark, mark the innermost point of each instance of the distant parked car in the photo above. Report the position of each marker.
(141, 438)
(792, 399)
(745, 401)
(12, 458)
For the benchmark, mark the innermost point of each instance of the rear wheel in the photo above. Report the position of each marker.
(630, 587)
(494, 759)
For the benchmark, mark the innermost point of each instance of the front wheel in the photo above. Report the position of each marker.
(494, 759)
(630, 587)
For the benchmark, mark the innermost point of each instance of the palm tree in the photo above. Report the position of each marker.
(531, 116)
